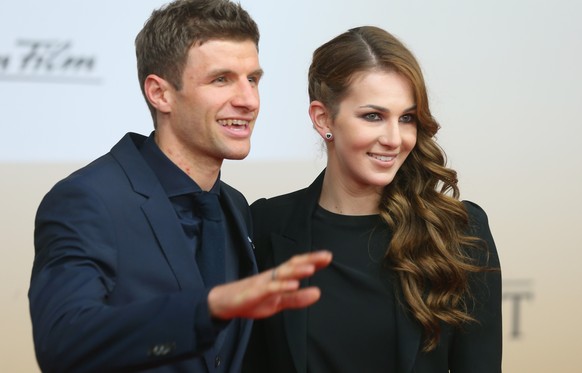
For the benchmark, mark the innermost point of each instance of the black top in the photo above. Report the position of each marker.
(284, 226)
(357, 294)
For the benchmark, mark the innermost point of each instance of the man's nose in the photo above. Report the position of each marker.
(247, 96)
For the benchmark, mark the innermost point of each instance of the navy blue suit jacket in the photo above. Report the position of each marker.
(282, 228)
(114, 285)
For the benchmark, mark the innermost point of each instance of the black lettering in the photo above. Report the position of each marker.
(515, 298)
(34, 57)
(55, 53)
(79, 63)
(4, 62)
(52, 56)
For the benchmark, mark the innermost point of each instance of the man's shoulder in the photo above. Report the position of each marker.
(234, 195)
(230, 190)
(105, 170)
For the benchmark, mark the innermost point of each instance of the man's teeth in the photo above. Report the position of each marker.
(383, 158)
(233, 122)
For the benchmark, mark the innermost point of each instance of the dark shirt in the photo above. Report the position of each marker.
(352, 327)
(178, 185)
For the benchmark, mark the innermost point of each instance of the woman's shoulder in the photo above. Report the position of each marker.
(280, 202)
(479, 227)
(304, 198)
(478, 219)
(476, 213)
(276, 213)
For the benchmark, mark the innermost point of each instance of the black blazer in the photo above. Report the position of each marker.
(282, 227)
(114, 285)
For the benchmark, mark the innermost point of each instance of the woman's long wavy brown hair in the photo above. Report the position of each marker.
(422, 204)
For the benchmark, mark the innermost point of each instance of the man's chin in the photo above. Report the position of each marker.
(237, 155)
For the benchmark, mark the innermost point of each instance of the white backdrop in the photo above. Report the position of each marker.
(493, 68)
(504, 80)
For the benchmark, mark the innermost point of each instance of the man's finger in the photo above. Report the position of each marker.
(301, 266)
(300, 298)
(322, 257)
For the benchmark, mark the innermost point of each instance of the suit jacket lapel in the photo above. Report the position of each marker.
(296, 239)
(167, 229)
(158, 210)
(243, 241)
(242, 230)
(295, 321)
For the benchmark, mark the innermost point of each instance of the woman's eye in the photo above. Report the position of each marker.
(408, 118)
(372, 117)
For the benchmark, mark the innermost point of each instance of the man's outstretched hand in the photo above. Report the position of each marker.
(269, 292)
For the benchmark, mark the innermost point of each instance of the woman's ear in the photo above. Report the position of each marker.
(321, 119)
(158, 92)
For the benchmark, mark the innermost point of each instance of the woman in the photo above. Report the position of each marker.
(415, 284)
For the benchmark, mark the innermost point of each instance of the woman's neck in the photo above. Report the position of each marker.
(340, 198)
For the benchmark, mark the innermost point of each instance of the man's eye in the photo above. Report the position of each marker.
(220, 79)
(254, 80)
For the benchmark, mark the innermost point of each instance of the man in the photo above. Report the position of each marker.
(130, 272)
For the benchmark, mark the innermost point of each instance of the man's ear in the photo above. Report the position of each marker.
(321, 118)
(159, 93)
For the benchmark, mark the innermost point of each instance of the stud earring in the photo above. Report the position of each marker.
(328, 136)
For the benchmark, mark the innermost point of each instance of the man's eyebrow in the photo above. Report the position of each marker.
(258, 72)
(218, 72)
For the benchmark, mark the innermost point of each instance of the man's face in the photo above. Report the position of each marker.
(213, 115)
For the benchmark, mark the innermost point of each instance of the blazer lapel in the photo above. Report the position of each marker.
(242, 231)
(295, 321)
(243, 241)
(296, 239)
(158, 210)
(168, 231)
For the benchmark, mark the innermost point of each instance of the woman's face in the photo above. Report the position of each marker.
(374, 130)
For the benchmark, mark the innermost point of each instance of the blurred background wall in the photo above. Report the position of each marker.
(504, 81)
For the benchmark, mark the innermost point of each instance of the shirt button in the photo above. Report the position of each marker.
(217, 361)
